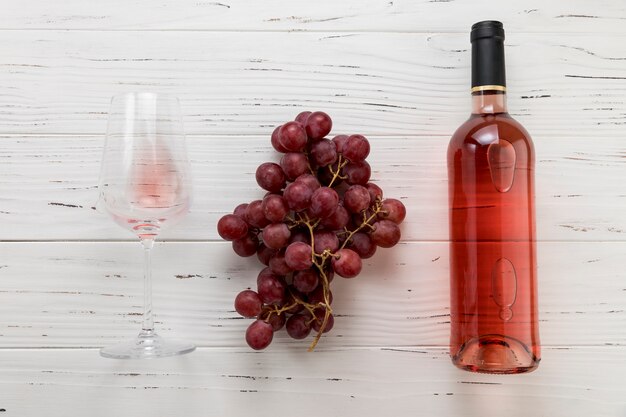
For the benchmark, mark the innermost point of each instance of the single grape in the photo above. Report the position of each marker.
(292, 136)
(255, 216)
(376, 193)
(246, 246)
(264, 254)
(270, 177)
(278, 265)
(323, 152)
(317, 296)
(276, 141)
(324, 202)
(340, 142)
(277, 321)
(385, 234)
(265, 272)
(271, 289)
(318, 125)
(275, 208)
(302, 117)
(240, 211)
(393, 210)
(276, 235)
(294, 164)
(347, 264)
(298, 327)
(298, 256)
(324, 240)
(259, 335)
(231, 227)
(305, 281)
(338, 220)
(310, 180)
(248, 303)
(298, 195)
(357, 172)
(356, 148)
(356, 198)
(300, 236)
(362, 244)
(319, 320)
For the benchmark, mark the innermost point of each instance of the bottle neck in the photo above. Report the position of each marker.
(489, 102)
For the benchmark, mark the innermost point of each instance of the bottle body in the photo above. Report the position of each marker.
(493, 281)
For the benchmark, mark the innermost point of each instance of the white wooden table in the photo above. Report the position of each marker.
(395, 70)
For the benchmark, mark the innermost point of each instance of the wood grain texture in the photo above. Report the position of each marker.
(48, 186)
(355, 382)
(90, 294)
(327, 15)
(237, 83)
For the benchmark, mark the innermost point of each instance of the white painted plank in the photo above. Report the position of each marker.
(368, 15)
(90, 294)
(242, 83)
(355, 382)
(48, 186)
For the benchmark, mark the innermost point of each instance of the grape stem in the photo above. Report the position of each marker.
(337, 174)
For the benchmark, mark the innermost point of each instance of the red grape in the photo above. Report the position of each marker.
(259, 335)
(278, 265)
(310, 181)
(275, 208)
(277, 321)
(293, 293)
(271, 289)
(357, 172)
(319, 320)
(294, 164)
(325, 240)
(292, 136)
(340, 142)
(270, 177)
(338, 220)
(318, 125)
(324, 202)
(240, 211)
(301, 117)
(393, 210)
(246, 246)
(347, 264)
(300, 236)
(276, 141)
(323, 152)
(248, 303)
(305, 281)
(264, 254)
(317, 296)
(362, 244)
(298, 256)
(386, 233)
(356, 198)
(265, 272)
(276, 235)
(255, 216)
(298, 195)
(298, 326)
(231, 227)
(356, 148)
(376, 193)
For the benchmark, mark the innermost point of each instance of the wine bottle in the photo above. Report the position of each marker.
(493, 274)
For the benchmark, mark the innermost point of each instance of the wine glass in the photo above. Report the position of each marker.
(145, 186)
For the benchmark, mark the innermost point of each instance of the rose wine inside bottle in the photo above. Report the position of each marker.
(493, 271)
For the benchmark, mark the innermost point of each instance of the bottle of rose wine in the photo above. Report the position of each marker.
(493, 273)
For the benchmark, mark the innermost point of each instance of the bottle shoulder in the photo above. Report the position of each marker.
(484, 129)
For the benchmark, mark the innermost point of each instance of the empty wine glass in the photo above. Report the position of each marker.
(145, 186)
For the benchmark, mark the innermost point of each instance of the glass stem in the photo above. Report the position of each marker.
(148, 320)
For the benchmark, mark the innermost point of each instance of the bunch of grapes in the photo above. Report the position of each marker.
(320, 217)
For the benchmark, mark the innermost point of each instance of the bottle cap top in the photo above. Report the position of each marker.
(487, 29)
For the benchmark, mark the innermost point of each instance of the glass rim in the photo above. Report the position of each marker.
(157, 96)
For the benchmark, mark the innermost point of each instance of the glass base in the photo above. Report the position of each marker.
(147, 345)
(495, 354)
